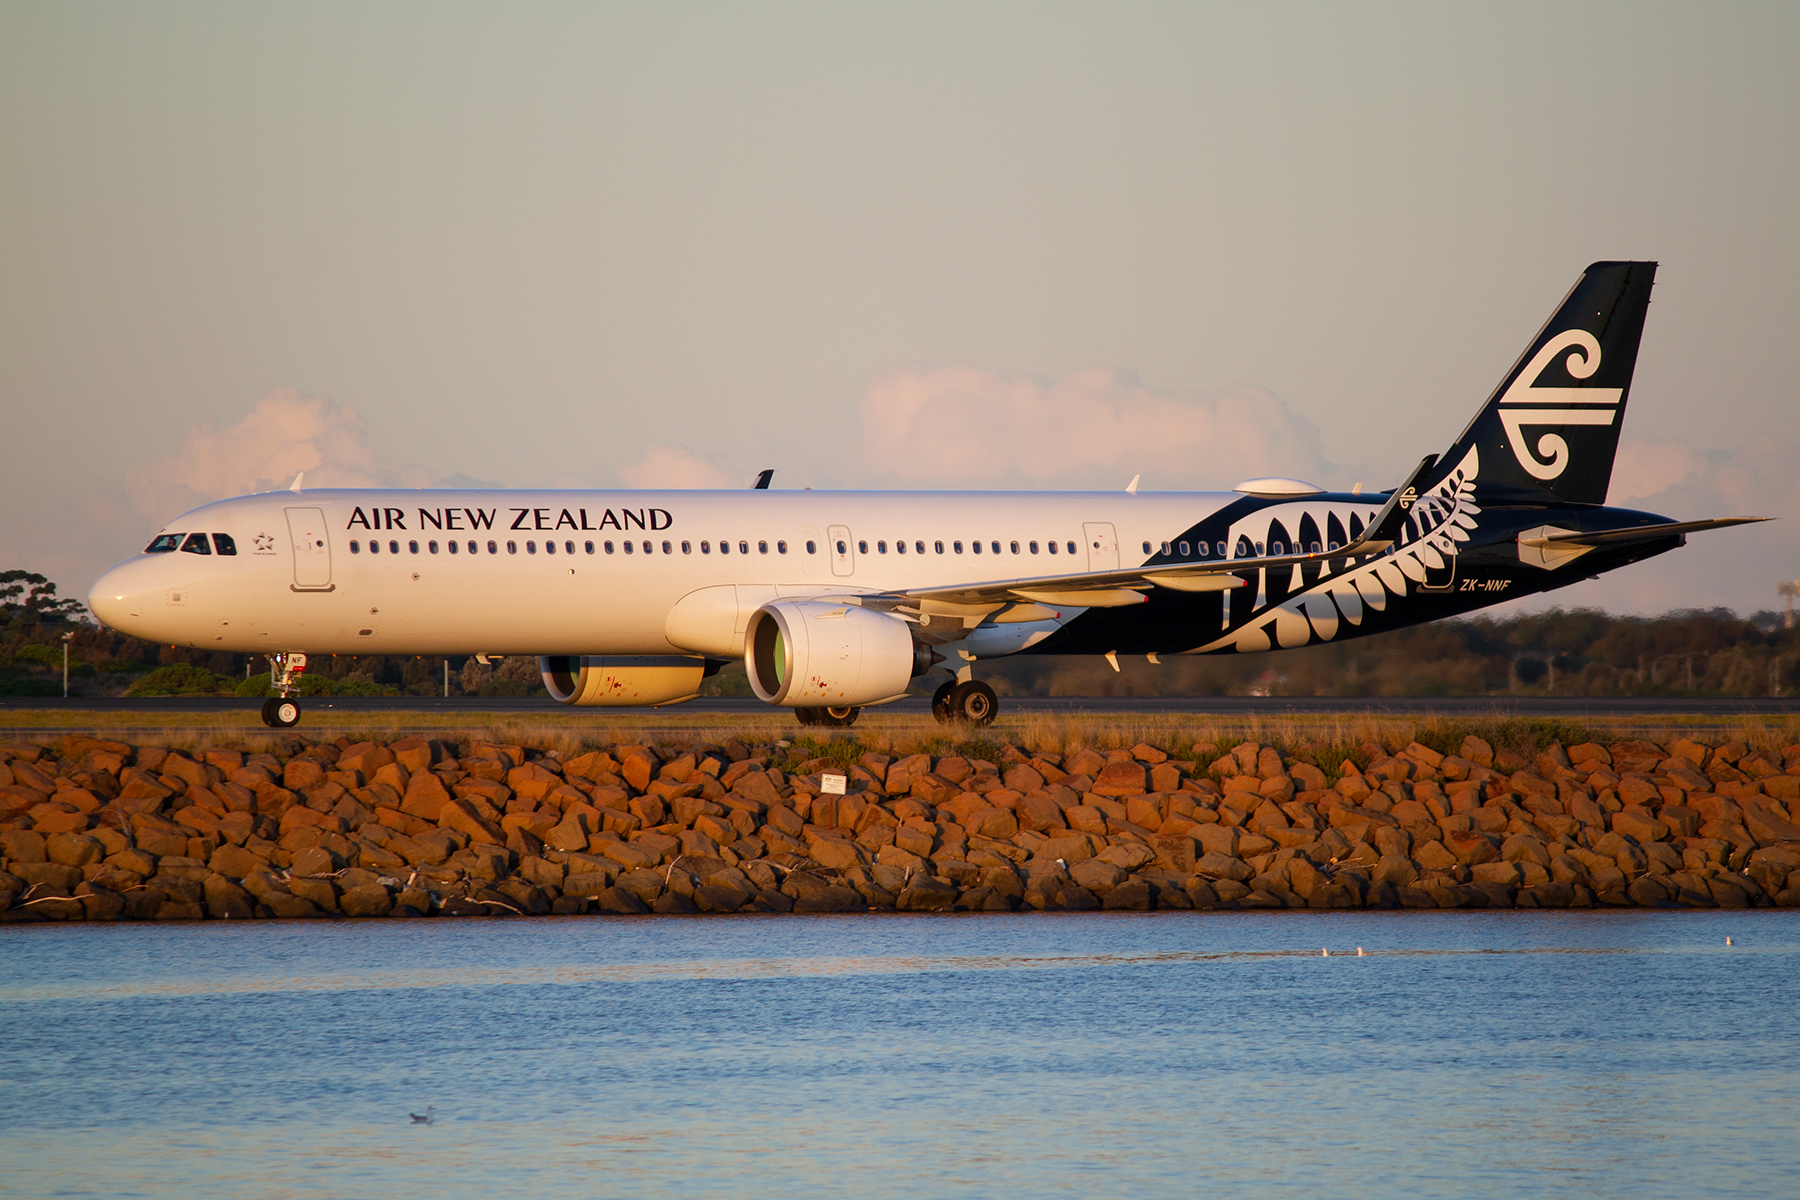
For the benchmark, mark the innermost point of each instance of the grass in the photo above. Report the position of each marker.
(1326, 738)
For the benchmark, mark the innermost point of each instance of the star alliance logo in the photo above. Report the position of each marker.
(265, 544)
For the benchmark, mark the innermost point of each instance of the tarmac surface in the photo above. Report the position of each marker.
(1482, 707)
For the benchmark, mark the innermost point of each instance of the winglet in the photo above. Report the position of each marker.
(1384, 530)
(295, 486)
(762, 480)
(1132, 486)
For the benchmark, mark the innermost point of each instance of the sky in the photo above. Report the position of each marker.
(956, 245)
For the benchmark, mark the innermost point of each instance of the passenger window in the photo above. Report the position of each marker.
(1335, 547)
(647, 547)
(223, 544)
(725, 547)
(1015, 547)
(743, 547)
(631, 547)
(920, 547)
(687, 547)
(413, 547)
(1221, 549)
(1147, 547)
(976, 546)
(1053, 548)
(842, 549)
(862, 547)
(706, 547)
(374, 546)
(938, 546)
(432, 546)
(1259, 550)
(1315, 547)
(899, 547)
(781, 547)
(530, 547)
(668, 548)
(762, 547)
(1032, 546)
(549, 547)
(164, 543)
(994, 546)
(881, 547)
(196, 544)
(812, 547)
(355, 546)
(493, 548)
(1281, 547)
(589, 546)
(1071, 547)
(393, 547)
(1183, 548)
(609, 547)
(957, 546)
(453, 546)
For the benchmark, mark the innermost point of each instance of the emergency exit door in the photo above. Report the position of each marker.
(312, 549)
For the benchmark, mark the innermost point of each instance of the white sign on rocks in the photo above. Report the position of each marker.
(833, 785)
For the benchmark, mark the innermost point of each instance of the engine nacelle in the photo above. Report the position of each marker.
(806, 653)
(622, 680)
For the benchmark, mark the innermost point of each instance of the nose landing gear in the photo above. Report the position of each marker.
(283, 711)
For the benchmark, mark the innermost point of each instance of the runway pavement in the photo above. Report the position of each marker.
(1481, 707)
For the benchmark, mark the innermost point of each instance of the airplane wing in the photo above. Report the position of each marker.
(1636, 533)
(1117, 588)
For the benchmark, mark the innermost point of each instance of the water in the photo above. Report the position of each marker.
(1469, 1054)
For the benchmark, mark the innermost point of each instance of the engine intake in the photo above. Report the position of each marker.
(622, 680)
(806, 653)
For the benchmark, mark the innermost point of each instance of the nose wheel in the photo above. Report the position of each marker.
(969, 702)
(280, 712)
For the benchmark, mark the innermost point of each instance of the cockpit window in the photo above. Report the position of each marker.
(165, 543)
(196, 544)
(223, 544)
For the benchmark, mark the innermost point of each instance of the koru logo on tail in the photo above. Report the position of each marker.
(1527, 404)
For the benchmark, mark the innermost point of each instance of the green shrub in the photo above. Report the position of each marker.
(26, 685)
(180, 679)
(256, 687)
(45, 655)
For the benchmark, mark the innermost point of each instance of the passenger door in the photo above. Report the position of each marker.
(1102, 545)
(312, 550)
(841, 549)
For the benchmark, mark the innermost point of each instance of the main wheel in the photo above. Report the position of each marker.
(940, 703)
(807, 716)
(974, 703)
(280, 712)
(845, 716)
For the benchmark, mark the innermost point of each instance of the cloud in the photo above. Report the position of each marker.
(286, 433)
(674, 467)
(966, 426)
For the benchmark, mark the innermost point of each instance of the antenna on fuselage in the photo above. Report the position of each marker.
(762, 480)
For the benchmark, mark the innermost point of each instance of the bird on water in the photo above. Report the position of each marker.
(426, 1118)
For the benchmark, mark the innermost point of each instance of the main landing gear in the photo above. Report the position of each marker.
(965, 702)
(828, 716)
(283, 711)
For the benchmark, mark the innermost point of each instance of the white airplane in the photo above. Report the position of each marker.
(837, 600)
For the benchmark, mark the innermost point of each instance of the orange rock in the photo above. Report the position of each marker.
(460, 816)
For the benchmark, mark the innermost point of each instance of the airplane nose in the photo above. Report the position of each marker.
(117, 597)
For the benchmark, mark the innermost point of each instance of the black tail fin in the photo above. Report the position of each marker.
(1552, 426)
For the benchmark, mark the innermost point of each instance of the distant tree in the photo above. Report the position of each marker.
(32, 598)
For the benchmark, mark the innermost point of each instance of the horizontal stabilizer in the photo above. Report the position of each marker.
(1637, 533)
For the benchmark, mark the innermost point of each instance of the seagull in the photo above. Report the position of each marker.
(1324, 953)
(427, 1118)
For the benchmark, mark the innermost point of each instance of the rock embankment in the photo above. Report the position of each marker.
(101, 830)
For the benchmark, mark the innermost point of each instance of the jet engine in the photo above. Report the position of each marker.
(806, 653)
(623, 680)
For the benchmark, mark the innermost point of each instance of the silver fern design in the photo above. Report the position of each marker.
(1318, 599)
